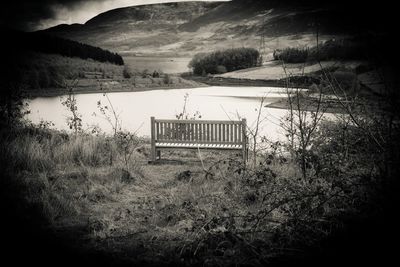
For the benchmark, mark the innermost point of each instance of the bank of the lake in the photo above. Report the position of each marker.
(221, 81)
(184, 81)
(52, 92)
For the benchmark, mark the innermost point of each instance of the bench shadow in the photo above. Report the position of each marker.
(173, 162)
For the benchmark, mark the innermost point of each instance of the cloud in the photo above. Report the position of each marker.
(24, 14)
(34, 15)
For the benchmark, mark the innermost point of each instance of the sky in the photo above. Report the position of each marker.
(31, 15)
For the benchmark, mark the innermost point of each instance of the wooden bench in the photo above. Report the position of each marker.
(197, 134)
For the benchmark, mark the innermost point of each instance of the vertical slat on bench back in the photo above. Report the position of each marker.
(200, 132)
(220, 133)
(203, 133)
(231, 133)
(187, 131)
(223, 132)
(212, 132)
(235, 133)
(164, 131)
(190, 131)
(157, 130)
(240, 134)
(208, 132)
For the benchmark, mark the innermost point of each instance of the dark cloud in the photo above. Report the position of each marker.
(25, 14)
(33, 15)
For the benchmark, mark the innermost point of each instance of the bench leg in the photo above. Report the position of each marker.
(153, 154)
(159, 154)
(153, 139)
(244, 154)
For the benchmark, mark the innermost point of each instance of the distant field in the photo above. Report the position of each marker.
(164, 64)
(273, 70)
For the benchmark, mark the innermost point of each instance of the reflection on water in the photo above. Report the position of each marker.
(164, 64)
(136, 108)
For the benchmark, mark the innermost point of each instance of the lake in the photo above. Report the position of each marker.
(165, 64)
(136, 108)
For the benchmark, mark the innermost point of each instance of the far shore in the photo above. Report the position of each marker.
(51, 92)
(221, 81)
(199, 82)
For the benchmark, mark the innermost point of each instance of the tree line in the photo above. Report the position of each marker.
(41, 42)
(225, 60)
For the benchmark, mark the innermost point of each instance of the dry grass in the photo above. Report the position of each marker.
(177, 210)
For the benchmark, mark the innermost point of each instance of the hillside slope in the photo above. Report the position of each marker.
(185, 28)
(145, 28)
(49, 44)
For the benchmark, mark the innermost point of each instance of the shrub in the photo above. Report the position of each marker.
(334, 49)
(145, 73)
(126, 73)
(167, 79)
(339, 49)
(221, 69)
(292, 55)
(225, 60)
(85, 150)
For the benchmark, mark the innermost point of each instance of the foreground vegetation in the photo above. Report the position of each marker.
(98, 194)
(327, 192)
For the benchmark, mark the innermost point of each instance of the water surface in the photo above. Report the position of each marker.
(164, 64)
(135, 108)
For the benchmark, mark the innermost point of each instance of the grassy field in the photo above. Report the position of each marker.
(275, 70)
(98, 194)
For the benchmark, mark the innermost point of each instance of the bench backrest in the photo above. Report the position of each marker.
(198, 131)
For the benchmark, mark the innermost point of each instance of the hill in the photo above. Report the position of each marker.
(186, 28)
(49, 44)
(137, 29)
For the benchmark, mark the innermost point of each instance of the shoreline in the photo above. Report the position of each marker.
(220, 81)
(326, 107)
(200, 82)
(61, 92)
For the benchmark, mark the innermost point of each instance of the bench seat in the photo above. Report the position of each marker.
(192, 145)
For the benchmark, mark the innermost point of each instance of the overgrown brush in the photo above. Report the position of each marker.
(225, 60)
(292, 55)
(356, 48)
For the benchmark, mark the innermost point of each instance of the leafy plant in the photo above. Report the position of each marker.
(184, 115)
(74, 121)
